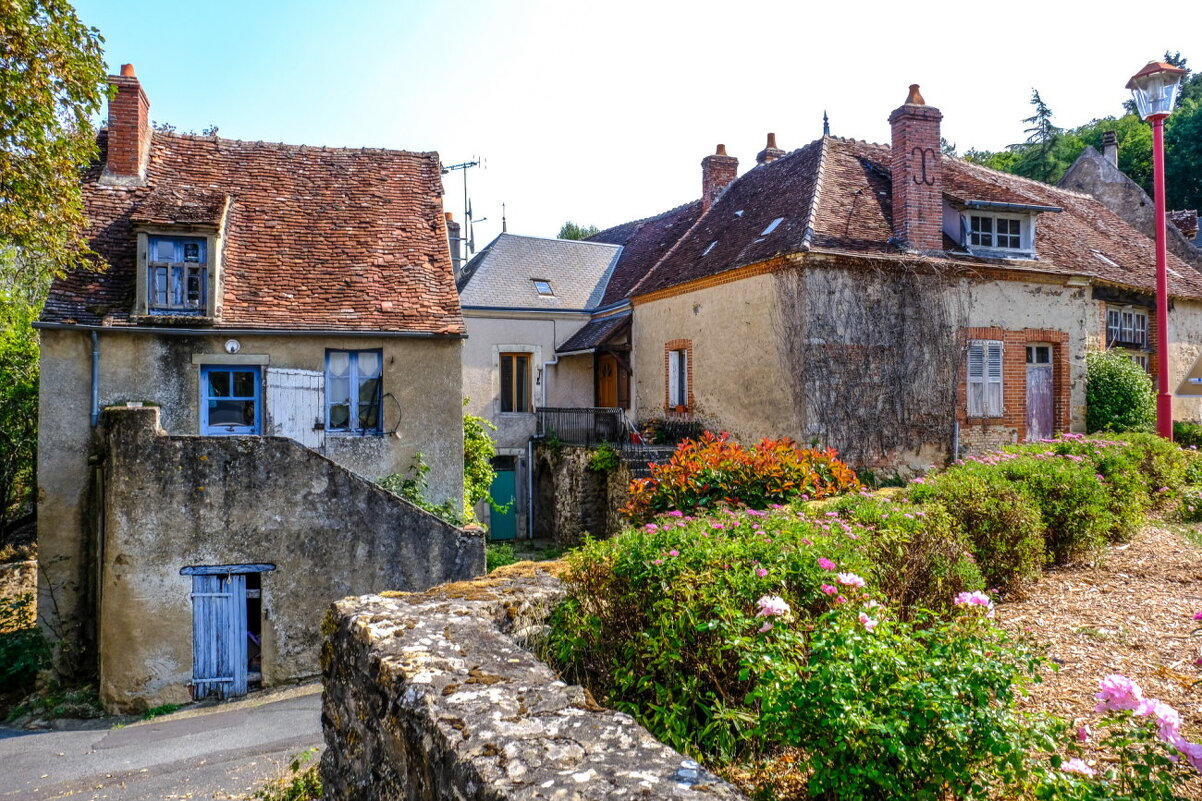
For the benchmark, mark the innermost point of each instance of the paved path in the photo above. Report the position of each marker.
(222, 751)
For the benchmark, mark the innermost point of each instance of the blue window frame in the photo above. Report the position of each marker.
(353, 391)
(177, 271)
(230, 400)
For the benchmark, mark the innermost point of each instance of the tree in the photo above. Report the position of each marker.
(52, 81)
(1039, 157)
(19, 307)
(571, 230)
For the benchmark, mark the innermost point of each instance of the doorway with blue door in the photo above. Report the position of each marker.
(227, 628)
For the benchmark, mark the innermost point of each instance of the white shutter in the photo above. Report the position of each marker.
(993, 379)
(683, 389)
(976, 379)
(295, 405)
(673, 377)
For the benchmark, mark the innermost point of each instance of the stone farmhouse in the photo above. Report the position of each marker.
(274, 327)
(890, 301)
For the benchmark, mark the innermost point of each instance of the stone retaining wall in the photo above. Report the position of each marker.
(571, 499)
(432, 696)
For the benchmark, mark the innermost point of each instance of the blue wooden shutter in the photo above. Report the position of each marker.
(218, 635)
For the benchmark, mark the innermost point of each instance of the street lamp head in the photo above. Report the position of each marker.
(1155, 89)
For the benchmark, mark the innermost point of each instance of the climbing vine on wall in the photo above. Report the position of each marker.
(872, 355)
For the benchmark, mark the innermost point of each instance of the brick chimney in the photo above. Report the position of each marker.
(717, 171)
(917, 183)
(770, 153)
(128, 130)
(1110, 147)
(455, 242)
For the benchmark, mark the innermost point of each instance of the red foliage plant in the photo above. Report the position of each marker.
(714, 470)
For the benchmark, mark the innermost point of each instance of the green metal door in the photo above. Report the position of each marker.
(503, 525)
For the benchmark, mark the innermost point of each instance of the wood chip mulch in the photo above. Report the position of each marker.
(1131, 614)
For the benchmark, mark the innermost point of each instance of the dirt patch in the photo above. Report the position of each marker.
(1131, 614)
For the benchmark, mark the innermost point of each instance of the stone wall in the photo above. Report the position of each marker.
(571, 500)
(174, 501)
(433, 696)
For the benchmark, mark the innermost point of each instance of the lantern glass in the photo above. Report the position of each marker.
(1155, 94)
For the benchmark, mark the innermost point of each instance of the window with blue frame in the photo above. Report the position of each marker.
(230, 400)
(353, 391)
(176, 275)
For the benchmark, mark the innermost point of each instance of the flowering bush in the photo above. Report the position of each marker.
(714, 470)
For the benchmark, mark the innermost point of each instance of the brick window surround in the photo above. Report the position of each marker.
(1014, 378)
(687, 346)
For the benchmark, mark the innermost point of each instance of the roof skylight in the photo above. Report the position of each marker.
(772, 226)
(543, 287)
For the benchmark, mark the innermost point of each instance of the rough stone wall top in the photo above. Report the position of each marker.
(432, 696)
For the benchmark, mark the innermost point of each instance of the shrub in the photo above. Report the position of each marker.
(1162, 465)
(1193, 466)
(1191, 505)
(1187, 435)
(996, 515)
(920, 559)
(1072, 502)
(498, 554)
(922, 711)
(1118, 394)
(714, 469)
(604, 459)
(23, 648)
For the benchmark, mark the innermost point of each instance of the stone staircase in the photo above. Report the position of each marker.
(638, 458)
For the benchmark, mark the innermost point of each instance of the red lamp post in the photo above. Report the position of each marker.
(1155, 91)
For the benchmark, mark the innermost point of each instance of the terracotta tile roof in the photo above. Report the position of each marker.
(594, 333)
(644, 242)
(315, 238)
(835, 195)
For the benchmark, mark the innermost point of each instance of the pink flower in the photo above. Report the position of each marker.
(772, 606)
(828, 589)
(867, 622)
(1197, 615)
(658, 562)
(805, 541)
(840, 600)
(651, 527)
(1167, 719)
(975, 598)
(1191, 751)
(849, 580)
(675, 513)
(761, 572)
(673, 552)
(825, 564)
(1116, 692)
(1083, 733)
(1077, 766)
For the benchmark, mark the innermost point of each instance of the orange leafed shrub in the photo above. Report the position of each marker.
(715, 469)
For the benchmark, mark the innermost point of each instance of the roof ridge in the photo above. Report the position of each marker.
(559, 239)
(288, 146)
(816, 195)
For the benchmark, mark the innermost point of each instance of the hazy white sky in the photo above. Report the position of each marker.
(601, 112)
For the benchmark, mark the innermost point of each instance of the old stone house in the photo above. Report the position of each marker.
(894, 302)
(286, 319)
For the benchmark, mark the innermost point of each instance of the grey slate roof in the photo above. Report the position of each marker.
(502, 275)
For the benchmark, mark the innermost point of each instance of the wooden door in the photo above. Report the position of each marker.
(1039, 393)
(218, 636)
(607, 381)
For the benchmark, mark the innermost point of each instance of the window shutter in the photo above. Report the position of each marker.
(993, 379)
(976, 379)
(673, 377)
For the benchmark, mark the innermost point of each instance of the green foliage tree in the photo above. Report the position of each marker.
(1040, 156)
(571, 230)
(19, 308)
(52, 81)
(1118, 394)
(1183, 156)
(478, 452)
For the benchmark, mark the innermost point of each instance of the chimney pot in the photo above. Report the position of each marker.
(717, 173)
(127, 71)
(450, 217)
(1110, 147)
(770, 153)
(917, 181)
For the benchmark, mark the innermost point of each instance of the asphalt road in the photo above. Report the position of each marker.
(222, 751)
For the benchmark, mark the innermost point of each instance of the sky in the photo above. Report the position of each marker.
(600, 113)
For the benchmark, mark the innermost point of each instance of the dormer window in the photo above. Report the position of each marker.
(176, 275)
(998, 234)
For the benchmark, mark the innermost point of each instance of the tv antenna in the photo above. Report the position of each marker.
(470, 239)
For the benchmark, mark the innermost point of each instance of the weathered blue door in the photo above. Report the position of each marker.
(503, 525)
(218, 635)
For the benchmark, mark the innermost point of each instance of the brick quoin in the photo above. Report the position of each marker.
(917, 179)
(129, 126)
